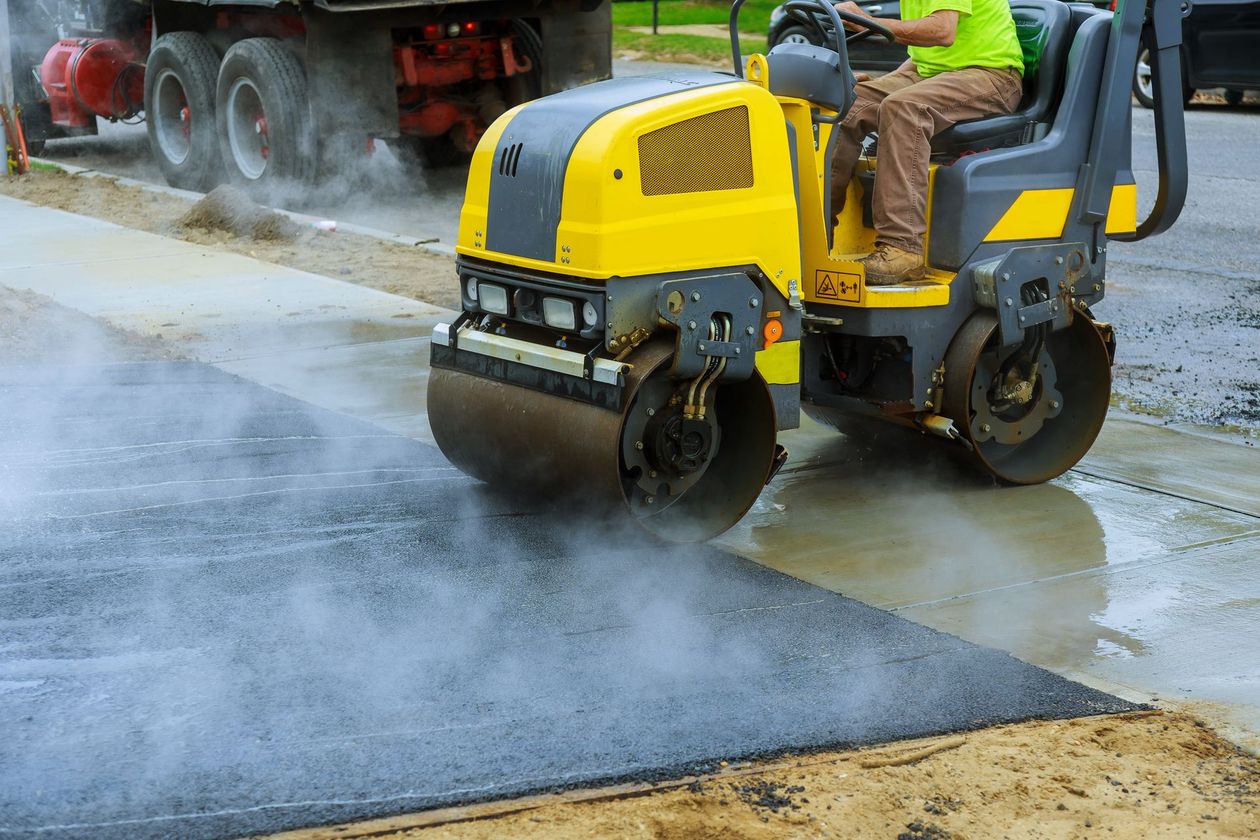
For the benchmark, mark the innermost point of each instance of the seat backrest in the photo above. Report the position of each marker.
(1045, 29)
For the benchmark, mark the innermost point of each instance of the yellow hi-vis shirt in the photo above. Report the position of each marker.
(985, 36)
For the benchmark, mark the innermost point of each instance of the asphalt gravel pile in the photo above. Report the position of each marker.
(769, 796)
(920, 830)
(228, 209)
(227, 612)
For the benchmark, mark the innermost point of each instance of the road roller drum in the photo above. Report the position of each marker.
(601, 459)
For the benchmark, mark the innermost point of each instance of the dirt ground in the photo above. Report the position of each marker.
(390, 267)
(1128, 777)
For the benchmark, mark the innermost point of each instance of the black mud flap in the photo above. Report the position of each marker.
(780, 458)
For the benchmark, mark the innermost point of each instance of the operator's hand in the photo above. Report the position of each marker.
(862, 77)
(854, 8)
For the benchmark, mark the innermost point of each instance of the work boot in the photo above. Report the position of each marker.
(888, 266)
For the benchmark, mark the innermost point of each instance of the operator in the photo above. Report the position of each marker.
(965, 62)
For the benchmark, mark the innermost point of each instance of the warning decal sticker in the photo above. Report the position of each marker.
(837, 285)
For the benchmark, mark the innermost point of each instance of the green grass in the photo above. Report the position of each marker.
(754, 17)
(44, 167)
(694, 49)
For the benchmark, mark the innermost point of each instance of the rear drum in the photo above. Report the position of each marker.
(1036, 440)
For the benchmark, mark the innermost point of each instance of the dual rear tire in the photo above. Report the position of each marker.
(243, 119)
(179, 82)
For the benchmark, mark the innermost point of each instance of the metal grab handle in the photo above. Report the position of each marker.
(734, 24)
(1098, 175)
(1170, 123)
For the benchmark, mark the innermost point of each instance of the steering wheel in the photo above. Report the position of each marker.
(807, 12)
(809, 9)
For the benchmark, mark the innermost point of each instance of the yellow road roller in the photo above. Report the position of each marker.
(654, 283)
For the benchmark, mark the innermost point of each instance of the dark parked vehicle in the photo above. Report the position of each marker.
(1218, 50)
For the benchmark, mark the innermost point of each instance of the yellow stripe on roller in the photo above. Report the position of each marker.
(780, 363)
(1036, 214)
(1042, 214)
(1122, 212)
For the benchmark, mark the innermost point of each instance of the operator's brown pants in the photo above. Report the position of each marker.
(908, 110)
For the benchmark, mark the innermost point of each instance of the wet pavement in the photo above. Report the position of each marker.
(1136, 571)
(227, 611)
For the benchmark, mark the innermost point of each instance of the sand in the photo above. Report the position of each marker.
(36, 330)
(1128, 777)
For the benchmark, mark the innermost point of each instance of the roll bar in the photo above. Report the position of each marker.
(823, 7)
(1098, 174)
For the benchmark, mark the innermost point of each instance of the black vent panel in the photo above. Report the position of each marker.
(509, 159)
(701, 154)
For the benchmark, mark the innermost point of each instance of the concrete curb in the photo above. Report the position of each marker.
(426, 242)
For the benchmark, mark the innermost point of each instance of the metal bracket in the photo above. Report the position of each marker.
(690, 304)
(721, 349)
(458, 324)
(1061, 267)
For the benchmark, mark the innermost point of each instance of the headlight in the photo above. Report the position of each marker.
(590, 315)
(493, 298)
(470, 286)
(559, 313)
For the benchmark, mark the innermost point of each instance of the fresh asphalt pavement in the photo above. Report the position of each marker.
(227, 611)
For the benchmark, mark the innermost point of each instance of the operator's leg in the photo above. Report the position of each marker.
(908, 119)
(862, 119)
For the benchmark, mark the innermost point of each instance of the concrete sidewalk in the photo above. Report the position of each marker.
(339, 346)
(1139, 571)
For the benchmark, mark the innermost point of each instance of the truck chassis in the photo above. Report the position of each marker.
(265, 93)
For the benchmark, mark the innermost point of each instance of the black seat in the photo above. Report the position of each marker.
(1048, 22)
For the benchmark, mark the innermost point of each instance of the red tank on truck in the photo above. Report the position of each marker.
(264, 93)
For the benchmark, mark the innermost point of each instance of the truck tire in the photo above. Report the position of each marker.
(264, 122)
(179, 82)
(796, 34)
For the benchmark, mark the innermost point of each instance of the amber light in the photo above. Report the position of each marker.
(772, 332)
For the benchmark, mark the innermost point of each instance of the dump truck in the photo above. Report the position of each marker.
(265, 93)
(654, 284)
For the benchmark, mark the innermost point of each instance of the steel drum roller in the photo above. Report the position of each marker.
(529, 442)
